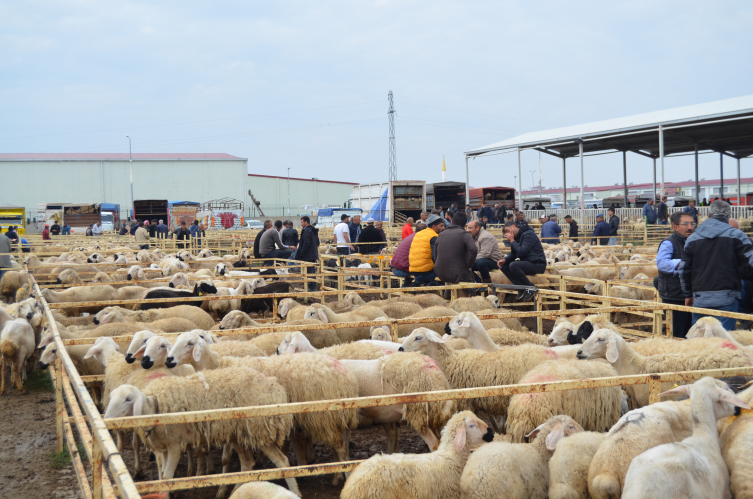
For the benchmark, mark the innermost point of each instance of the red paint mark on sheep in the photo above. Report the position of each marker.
(551, 354)
(338, 366)
(729, 344)
(430, 364)
(156, 375)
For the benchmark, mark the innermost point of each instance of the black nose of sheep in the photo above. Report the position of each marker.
(128, 277)
(59, 281)
(129, 358)
(170, 362)
(401, 349)
(447, 329)
(89, 260)
(488, 436)
(580, 355)
(95, 320)
(171, 285)
(29, 316)
(147, 363)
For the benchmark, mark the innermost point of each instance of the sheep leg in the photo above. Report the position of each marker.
(281, 461)
(189, 456)
(17, 372)
(393, 437)
(342, 453)
(119, 441)
(201, 460)
(227, 453)
(494, 424)
(136, 444)
(429, 437)
(297, 440)
(209, 462)
(248, 462)
(2, 383)
(171, 463)
(310, 455)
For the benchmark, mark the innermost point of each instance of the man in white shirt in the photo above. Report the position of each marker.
(97, 230)
(342, 236)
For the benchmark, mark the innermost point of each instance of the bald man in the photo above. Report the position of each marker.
(407, 228)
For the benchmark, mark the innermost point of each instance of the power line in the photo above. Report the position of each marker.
(480, 114)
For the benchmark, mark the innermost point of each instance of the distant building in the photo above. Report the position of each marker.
(272, 193)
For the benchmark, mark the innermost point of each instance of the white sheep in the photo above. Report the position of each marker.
(710, 327)
(80, 294)
(736, 441)
(16, 347)
(468, 326)
(262, 490)
(710, 353)
(568, 467)
(360, 314)
(418, 476)
(693, 468)
(516, 471)
(286, 309)
(199, 317)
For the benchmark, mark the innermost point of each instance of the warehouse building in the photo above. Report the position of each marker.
(273, 193)
(32, 179)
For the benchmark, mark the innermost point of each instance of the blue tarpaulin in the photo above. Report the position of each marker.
(379, 211)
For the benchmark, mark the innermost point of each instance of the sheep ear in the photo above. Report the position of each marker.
(708, 332)
(435, 338)
(530, 436)
(323, 316)
(96, 349)
(140, 351)
(613, 352)
(138, 404)
(678, 390)
(731, 398)
(466, 323)
(554, 436)
(48, 338)
(197, 350)
(460, 438)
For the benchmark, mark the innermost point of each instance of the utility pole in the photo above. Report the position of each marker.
(130, 166)
(288, 191)
(393, 160)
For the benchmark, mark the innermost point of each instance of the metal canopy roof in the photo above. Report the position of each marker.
(722, 126)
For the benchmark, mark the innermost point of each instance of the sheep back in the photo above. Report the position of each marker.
(430, 312)
(427, 300)
(262, 490)
(354, 351)
(568, 467)
(736, 442)
(400, 309)
(509, 337)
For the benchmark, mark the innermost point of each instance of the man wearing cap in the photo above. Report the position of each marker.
(550, 231)
(573, 231)
(422, 250)
(371, 239)
(342, 236)
(526, 257)
(601, 229)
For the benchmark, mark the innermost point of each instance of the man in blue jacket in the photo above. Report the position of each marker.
(601, 231)
(648, 212)
(550, 231)
(692, 210)
(526, 257)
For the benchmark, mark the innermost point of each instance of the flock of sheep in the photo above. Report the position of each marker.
(604, 442)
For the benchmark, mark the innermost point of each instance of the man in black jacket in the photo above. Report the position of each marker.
(668, 259)
(661, 211)
(289, 235)
(614, 226)
(573, 233)
(308, 250)
(526, 257)
(369, 234)
(55, 229)
(502, 214)
(717, 258)
(267, 224)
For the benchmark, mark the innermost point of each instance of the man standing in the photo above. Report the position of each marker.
(142, 236)
(55, 229)
(153, 228)
(668, 260)
(526, 257)
(661, 211)
(123, 229)
(468, 212)
(270, 245)
(354, 230)
(454, 208)
(407, 228)
(484, 211)
(182, 234)
(692, 210)
(400, 260)
(134, 226)
(371, 237)
(161, 230)
(194, 229)
(382, 234)
(267, 225)
(5, 258)
(614, 226)
(488, 251)
(308, 251)
(717, 257)
(649, 215)
(550, 231)
(573, 231)
(289, 234)
(601, 229)
(97, 230)
(501, 213)
(90, 230)
(46, 233)
(422, 253)
(342, 236)
(66, 229)
(456, 252)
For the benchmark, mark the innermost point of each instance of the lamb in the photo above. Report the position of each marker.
(520, 470)
(80, 294)
(736, 441)
(218, 389)
(568, 466)
(268, 342)
(710, 327)
(296, 341)
(69, 277)
(262, 490)
(399, 309)
(199, 317)
(630, 272)
(16, 347)
(430, 312)
(200, 289)
(306, 377)
(10, 282)
(263, 305)
(475, 304)
(467, 326)
(427, 300)
(588, 326)
(595, 409)
(136, 273)
(361, 314)
(463, 368)
(418, 476)
(220, 308)
(389, 375)
(712, 353)
(560, 333)
(693, 468)
(290, 309)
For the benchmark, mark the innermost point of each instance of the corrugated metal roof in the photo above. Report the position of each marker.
(304, 179)
(686, 114)
(108, 156)
(687, 183)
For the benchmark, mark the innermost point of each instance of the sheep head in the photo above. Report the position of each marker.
(316, 313)
(189, 346)
(555, 429)
(493, 300)
(295, 342)
(560, 334)
(707, 327)
(465, 429)
(125, 400)
(284, 306)
(718, 391)
(220, 269)
(179, 279)
(602, 344)
(136, 273)
(138, 343)
(422, 340)
(154, 351)
(236, 319)
(460, 326)
(381, 333)
(102, 349)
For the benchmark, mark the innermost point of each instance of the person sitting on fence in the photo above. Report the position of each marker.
(601, 229)
(550, 231)
(649, 215)
(526, 257)
(488, 251)
(455, 252)
(400, 264)
(422, 253)
(692, 210)
(267, 225)
(123, 229)
(269, 240)
(614, 226)
(90, 230)
(573, 231)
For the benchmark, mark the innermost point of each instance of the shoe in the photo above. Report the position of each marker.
(527, 295)
(520, 295)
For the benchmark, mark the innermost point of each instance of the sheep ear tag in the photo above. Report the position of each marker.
(460, 438)
(554, 436)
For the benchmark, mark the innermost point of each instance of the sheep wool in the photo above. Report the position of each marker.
(509, 337)
(736, 441)
(595, 409)
(568, 467)
(430, 312)
(262, 490)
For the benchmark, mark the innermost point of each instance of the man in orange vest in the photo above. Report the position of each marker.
(422, 252)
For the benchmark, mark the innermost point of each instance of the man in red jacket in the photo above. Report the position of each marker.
(399, 263)
(408, 228)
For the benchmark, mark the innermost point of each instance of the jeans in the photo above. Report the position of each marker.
(144, 246)
(518, 270)
(728, 324)
(424, 277)
(483, 266)
(661, 222)
(612, 241)
(278, 253)
(681, 321)
(407, 279)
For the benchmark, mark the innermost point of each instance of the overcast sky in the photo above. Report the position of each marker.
(303, 85)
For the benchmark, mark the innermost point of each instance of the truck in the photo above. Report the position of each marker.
(492, 195)
(80, 215)
(444, 194)
(148, 209)
(391, 202)
(12, 215)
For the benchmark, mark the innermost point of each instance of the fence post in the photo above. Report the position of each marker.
(394, 330)
(274, 308)
(59, 404)
(563, 289)
(645, 230)
(539, 318)
(96, 469)
(670, 327)
(654, 389)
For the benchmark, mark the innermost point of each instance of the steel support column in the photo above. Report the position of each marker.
(697, 185)
(661, 160)
(520, 184)
(721, 175)
(467, 185)
(654, 183)
(582, 182)
(624, 176)
(564, 182)
(740, 199)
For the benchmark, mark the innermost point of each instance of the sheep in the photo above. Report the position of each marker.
(199, 317)
(220, 308)
(200, 289)
(306, 377)
(16, 347)
(80, 294)
(399, 309)
(568, 466)
(427, 300)
(630, 272)
(588, 326)
(69, 277)
(595, 409)
(22, 293)
(430, 312)
(573, 319)
(296, 341)
(463, 368)
(263, 305)
(389, 375)
(520, 470)
(290, 309)
(136, 274)
(262, 490)
(693, 468)
(711, 353)
(268, 342)
(355, 299)
(218, 389)
(467, 326)
(361, 314)
(560, 333)
(736, 441)
(710, 327)
(101, 277)
(418, 476)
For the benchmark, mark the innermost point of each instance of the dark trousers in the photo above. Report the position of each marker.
(311, 286)
(407, 279)
(424, 277)
(681, 321)
(144, 246)
(277, 253)
(483, 266)
(517, 271)
(343, 251)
